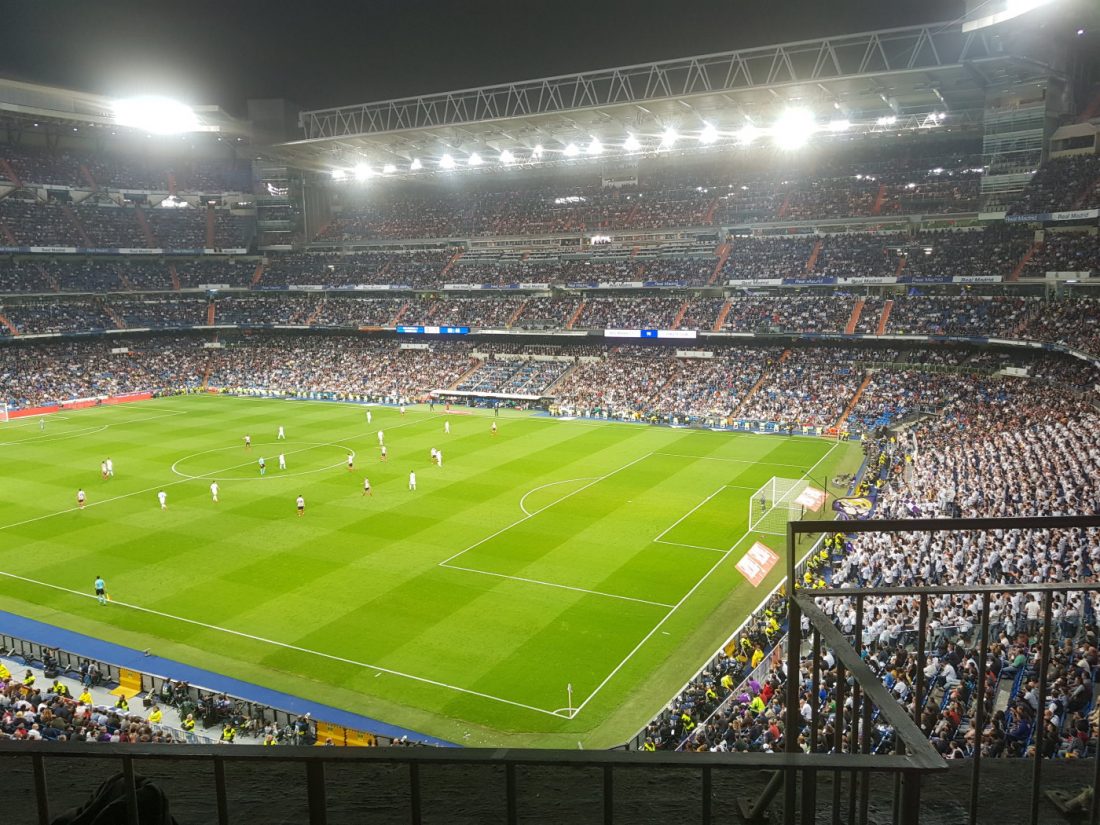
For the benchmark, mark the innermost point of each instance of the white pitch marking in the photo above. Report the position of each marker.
(686, 596)
(553, 584)
(689, 512)
(286, 646)
(53, 437)
(735, 460)
(311, 445)
(693, 546)
(543, 487)
(541, 509)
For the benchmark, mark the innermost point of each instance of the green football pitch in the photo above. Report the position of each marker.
(556, 553)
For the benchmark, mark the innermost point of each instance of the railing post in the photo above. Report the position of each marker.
(510, 793)
(414, 793)
(315, 792)
(1039, 732)
(979, 716)
(792, 723)
(131, 790)
(855, 779)
(922, 632)
(41, 797)
(838, 734)
(608, 796)
(910, 798)
(219, 791)
(707, 790)
(815, 691)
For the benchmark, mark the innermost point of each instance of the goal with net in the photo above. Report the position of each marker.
(774, 504)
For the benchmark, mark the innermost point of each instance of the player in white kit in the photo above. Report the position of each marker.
(412, 480)
(110, 467)
(381, 438)
(383, 452)
(163, 498)
(447, 427)
(263, 466)
(439, 457)
(366, 488)
(369, 417)
(282, 461)
(281, 433)
(214, 491)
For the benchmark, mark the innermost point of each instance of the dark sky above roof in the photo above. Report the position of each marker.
(331, 53)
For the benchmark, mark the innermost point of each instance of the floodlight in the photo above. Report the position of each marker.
(506, 156)
(793, 128)
(747, 134)
(447, 162)
(158, 115)
(668, 138)
(708, 135)
(632, 144)
(840, 125)
(594, 147)
(389, 169)
(571, 151)
(416, 165)
(886, 120)
(537, 151)
(474, 159)
(339, 174)
(362, 172)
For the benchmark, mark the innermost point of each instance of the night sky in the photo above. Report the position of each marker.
(331, 53)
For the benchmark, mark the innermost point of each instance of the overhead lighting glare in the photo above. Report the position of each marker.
(157, 115)
(507, 157)
(416, 165)
(632, 144)
(747, 134)
(536, 153)
(339, 174)
(571, 151)
(886, 120)
(669, 138)
(594, 147)
(447, 162)
(709, 135)
(474, 160)
(838, 126)
(389, 169)
(362, 172)
(793, 128)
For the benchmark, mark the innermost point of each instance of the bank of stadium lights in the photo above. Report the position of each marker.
(339, 174)
(156, 115)
(793, 128)
(446, 162)
(536, 153)
(416, 165)
(571, 150)
(709, 135)
(389, 169)
(886, 120)
(747, 134)
(506, 157)
(632, 144)
(594, 147)
(362, 172)
(838, 126)
(669, 138)
(474, 159)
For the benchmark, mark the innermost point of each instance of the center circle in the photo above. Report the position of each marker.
(302, 458)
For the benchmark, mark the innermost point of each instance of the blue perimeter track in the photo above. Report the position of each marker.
(91, 648)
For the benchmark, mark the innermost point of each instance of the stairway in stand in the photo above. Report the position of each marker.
(853, 319)
(723, 252)
(764, 376)
(576, 314)
(1024, 261)
(10, 326)
(855, 400)
(515, 315)
(679, 319)
(886, 310)
(722, 313)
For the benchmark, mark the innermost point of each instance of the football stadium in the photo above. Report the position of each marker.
(708, 439)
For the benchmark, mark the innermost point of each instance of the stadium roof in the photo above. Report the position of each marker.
(21, 102)
(905, 73)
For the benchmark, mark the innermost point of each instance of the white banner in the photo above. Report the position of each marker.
(694, 353)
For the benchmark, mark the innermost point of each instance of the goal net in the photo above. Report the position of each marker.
(774, 504)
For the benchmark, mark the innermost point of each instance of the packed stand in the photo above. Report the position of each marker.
(810, 387)
(1060, 184)
(793, 313)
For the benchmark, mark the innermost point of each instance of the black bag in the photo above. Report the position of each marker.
(108, 805)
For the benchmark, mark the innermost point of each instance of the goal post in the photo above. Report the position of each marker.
(775, 503)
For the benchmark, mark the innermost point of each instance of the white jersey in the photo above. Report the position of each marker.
(446, 426)
(79, 495)
(163, 498)
(282, 461)
(381, 438)
(402, 409)
(214, 490)
(301, 503)
(439, 457)
(412, 481)
(281, 433)
(369, 417)
(366, 483)
(110, 467)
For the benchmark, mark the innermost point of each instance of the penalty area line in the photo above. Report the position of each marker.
(286, 646)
